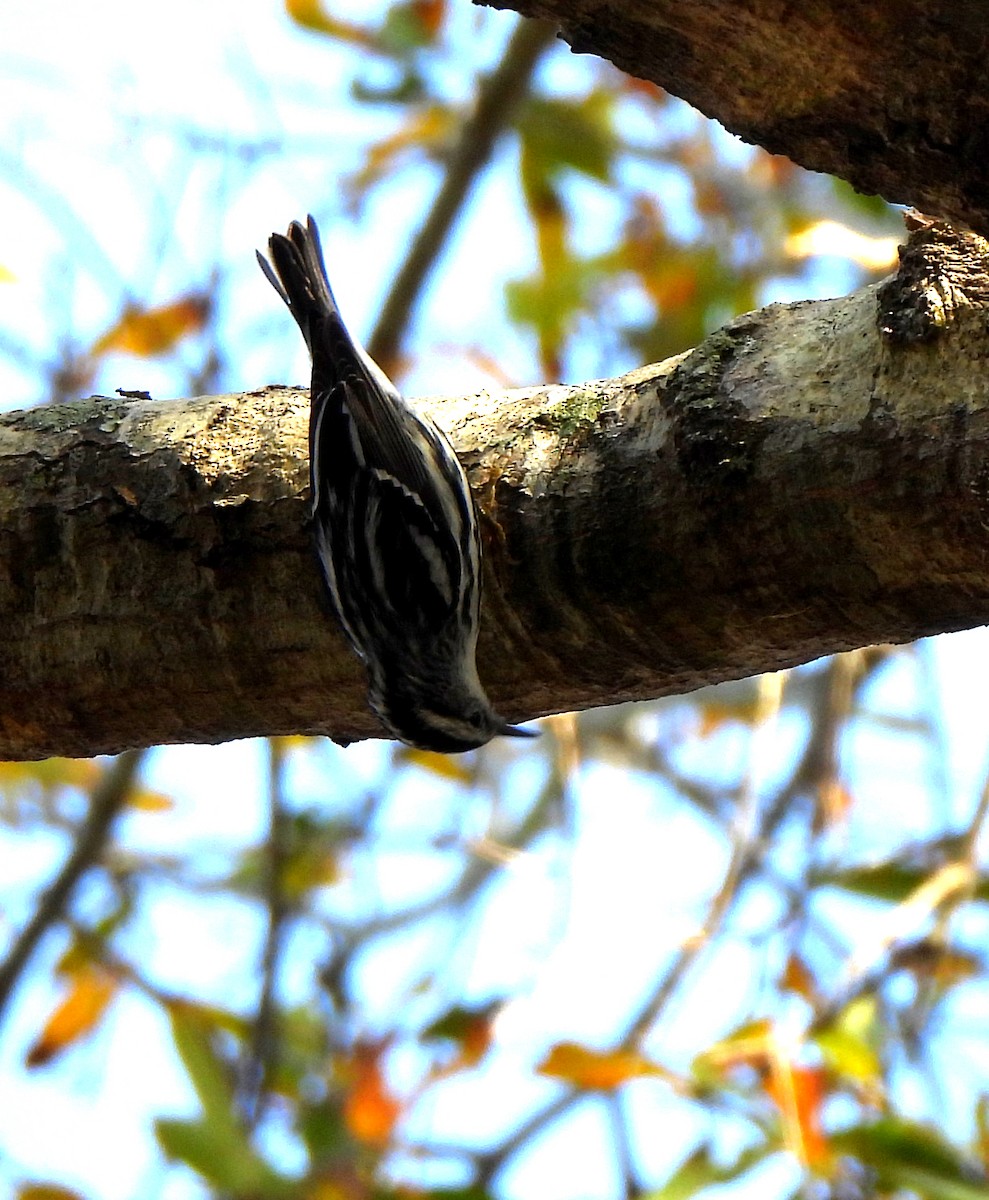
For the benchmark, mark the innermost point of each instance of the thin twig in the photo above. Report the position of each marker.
(623, 1145)
(498, 96)
(745, 837)
(107, 800)
(264, 1050)
(489, 1164)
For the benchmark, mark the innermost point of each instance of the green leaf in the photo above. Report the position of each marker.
(321, 1128)
(891, 881)
(849, 1044)
(456, 1023)
(405, 30)
(874, 208)
(574, 134)
(191, 1034)
(223, 1155)
(906, 1155)
(701, 1171)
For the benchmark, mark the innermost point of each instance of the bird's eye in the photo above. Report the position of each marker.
(476, 719)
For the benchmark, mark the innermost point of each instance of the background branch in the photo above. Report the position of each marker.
(90, 840)
(498, 96)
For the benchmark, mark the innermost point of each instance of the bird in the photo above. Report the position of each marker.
(395, 526)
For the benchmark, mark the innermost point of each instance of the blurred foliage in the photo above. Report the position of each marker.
(815, 1023)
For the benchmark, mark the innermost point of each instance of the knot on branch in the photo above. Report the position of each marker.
(942, 270)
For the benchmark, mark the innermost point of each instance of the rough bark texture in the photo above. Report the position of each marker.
(812, 477)
(892, 97)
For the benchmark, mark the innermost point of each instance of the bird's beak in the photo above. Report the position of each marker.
(515, 731)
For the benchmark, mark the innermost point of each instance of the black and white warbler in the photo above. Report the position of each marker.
(395, 524)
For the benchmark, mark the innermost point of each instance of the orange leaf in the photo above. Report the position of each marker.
(431, 14)
(834, 802)
(798, 1093)
(147, 332)
(600, 1070)
(90, 992)
(370, 1111)
(797, 977)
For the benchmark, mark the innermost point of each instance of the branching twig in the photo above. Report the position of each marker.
(91, 839)
(745, 837)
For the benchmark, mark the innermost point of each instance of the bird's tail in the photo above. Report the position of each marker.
(298, 275)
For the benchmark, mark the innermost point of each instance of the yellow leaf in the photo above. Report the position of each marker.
(715, 713)
(443, 765)
(832, 238)
(307, 868)
(147, 332)
(427, 128)
(311, 15)
(750, 1043)
(146, 800)
(600, 1070)
(52, 773)
(90, 992)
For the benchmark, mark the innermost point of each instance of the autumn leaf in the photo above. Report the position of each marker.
(431, 13)
(798, 978)
(47, 1191)
(90, 991)
(598, 1070)
(834, 802)
(152, 331)
(748, 1045)
(51, 774)
(369, 1110)
(798, 1093)
(849, 1045)
(312, 15)
(148, 800)
(443, 765)
(470, 1029)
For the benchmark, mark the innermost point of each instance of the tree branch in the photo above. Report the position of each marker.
(498, 96)
(899, 111)
(812, 478)
(107, 800)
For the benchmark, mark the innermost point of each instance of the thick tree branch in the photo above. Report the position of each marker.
(891, 97)
(811, 478)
